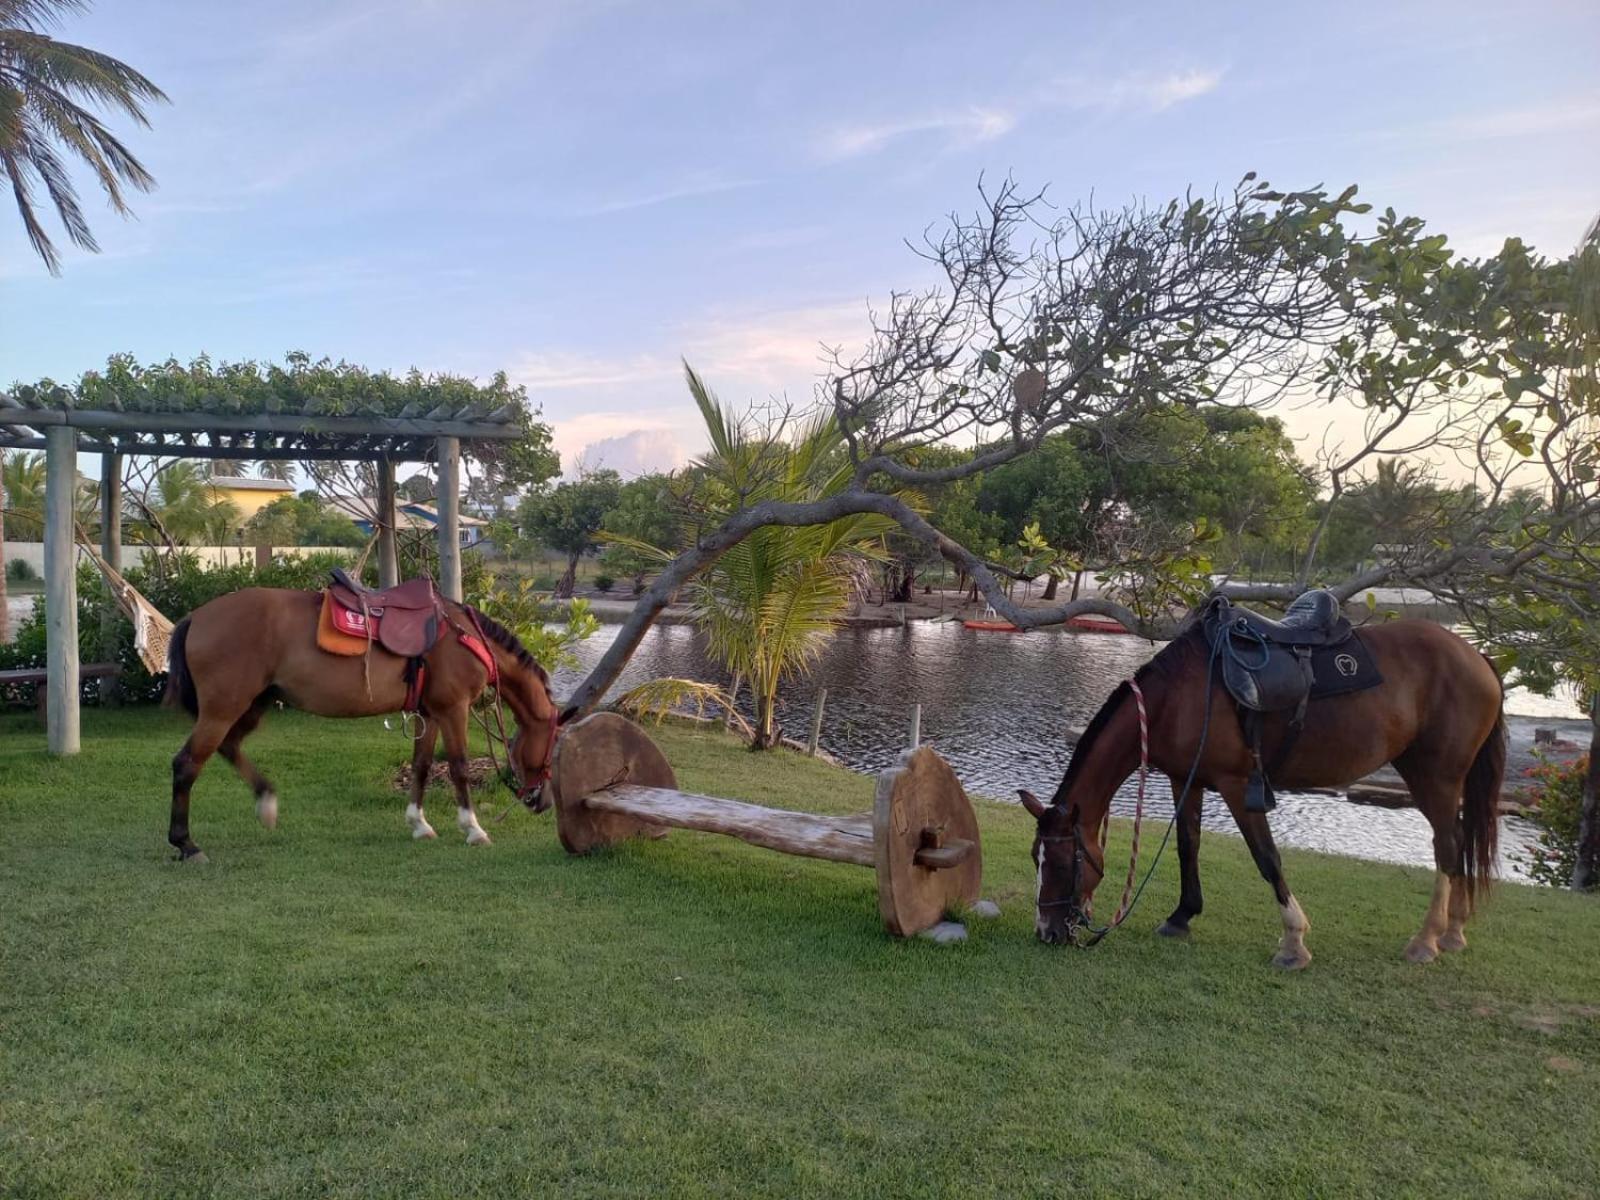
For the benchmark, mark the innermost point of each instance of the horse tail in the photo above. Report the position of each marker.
(180, 684)
(1480, 810)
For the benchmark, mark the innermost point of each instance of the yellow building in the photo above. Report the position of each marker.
(250, 496)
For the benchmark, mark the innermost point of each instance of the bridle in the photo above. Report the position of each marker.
(530, 787)
(1081, 843)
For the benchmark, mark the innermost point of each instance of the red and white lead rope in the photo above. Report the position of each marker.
(1138, 805)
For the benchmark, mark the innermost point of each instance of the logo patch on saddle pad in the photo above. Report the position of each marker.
(1347, 667)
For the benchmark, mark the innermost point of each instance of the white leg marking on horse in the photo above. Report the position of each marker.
(467, 821)
(267, 809)
(1424, 948)
(419, 824)
(1292, 952)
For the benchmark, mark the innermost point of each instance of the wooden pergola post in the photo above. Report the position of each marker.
(61, 590)
(388, 549)
(111, 551)
(449, 506)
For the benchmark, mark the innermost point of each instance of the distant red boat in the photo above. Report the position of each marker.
(1094, 625)
(993, 626)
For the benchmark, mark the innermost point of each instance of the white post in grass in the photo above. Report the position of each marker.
(60, 589)
(816, 722)
(450, 517)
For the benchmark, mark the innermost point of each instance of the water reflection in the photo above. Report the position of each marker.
(996, 705)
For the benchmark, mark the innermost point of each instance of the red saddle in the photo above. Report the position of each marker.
(405, 619)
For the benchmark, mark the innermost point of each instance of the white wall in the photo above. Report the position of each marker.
(32, 553)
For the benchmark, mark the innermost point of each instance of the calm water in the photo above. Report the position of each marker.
(997, 705)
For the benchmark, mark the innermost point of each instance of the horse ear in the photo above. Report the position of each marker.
(1032, 803)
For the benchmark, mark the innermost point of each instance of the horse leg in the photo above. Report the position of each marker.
(1189, 902)
(454, 726)
(1450, 905)
(421, 764)
(1292, 953)
(208, 733)
(266, 798)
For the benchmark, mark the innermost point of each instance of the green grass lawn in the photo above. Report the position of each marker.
(333, 1009)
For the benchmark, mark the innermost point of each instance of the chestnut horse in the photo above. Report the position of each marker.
(1437, 716)
(232, 657)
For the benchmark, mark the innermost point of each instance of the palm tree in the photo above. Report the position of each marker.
(51, 95)
(769, 603)
(276, 468)
(24, 489)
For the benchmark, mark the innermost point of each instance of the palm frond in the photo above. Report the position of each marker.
(670, 696)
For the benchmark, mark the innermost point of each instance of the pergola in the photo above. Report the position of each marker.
(51, 420)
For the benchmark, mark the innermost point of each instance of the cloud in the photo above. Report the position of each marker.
(1135, 91)
(562, 370)
(637, 452)
(705, 185)
(968, 128)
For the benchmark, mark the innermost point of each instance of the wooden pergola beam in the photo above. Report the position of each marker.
(202, 422)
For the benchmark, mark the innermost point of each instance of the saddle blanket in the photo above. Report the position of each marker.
(1347, 667)
(335, 636)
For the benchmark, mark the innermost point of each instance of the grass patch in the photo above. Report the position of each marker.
(332, 1009)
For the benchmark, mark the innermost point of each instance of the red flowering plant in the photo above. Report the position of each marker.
(1554, 794)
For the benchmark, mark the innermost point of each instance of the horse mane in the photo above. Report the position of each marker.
(1167, 663)
(508, 641)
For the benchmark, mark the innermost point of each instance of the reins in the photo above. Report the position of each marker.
(1125, 909)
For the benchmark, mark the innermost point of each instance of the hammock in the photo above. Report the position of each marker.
(151, 631)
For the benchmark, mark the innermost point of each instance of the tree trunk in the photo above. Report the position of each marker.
(1586, 870)
(902, 589)
(569, 580)
(1077, 582)
(1051, 583)
(768, 733)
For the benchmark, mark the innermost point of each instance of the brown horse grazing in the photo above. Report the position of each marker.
(1437, 716)
(232, 657)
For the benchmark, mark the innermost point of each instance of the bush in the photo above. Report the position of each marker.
(604, 583)
(1556, 795)
(20, 570)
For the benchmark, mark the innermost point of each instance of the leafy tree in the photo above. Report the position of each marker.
(302, 520)
(51, 96)
(647, 511)
(569, 517)
(276, 468)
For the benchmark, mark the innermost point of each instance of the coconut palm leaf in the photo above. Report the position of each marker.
(51, 95)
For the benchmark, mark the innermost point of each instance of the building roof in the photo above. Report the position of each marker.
(408, 514)
(244, 484)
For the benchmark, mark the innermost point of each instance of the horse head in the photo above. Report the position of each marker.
(1070, 867)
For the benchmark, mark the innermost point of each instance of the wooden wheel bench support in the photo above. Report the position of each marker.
(611, 783)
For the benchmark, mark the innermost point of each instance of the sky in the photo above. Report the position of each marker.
(583, 195)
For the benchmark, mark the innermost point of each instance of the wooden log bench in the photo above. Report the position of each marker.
(39, 677)
(611, 782)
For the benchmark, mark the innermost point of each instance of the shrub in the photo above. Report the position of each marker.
(1556, 794)
(604, 583)
(20, 570)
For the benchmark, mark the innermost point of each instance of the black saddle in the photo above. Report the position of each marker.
(1268, 667)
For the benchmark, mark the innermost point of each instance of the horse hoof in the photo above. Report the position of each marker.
(1286, 961)
(1168, 930)
(478, 838)
(196, 858)
(1421, 952)
(1454, 940)
(267, 811)
(424, 832)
